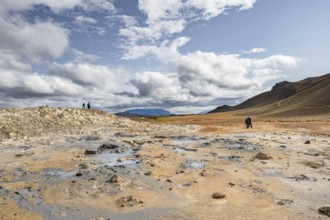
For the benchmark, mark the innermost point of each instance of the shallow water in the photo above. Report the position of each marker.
(194, 164)
(115, 159)
(51, 172)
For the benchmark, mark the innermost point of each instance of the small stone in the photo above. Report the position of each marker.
(148, 173)
(218, 195)
(231, 184)
(116, 179)
(307, 142)
(89, 152)
(262, 156)
(169, 180)
(78, 174)
(284, 202)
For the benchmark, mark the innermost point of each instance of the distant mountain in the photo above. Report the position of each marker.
(306, 97)
(144, 112)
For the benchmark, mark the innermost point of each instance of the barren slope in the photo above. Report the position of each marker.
(303, 98)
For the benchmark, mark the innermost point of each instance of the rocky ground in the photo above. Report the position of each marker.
(80, 164)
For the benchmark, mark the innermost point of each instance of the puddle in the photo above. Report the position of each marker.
(194, 164)
(242, 146)
(231, 158)
(184, 140)
(180, 150)
(192, 141)
(53, 172)
(115, 159)
(272, 173)
(238, 145)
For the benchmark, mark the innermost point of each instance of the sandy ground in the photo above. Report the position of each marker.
(115, 168)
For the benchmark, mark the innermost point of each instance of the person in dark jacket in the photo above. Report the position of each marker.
(249, 122)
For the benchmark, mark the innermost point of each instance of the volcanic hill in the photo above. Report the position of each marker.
(307, 97)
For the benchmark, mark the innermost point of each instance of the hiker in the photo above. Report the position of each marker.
(249, 122)
(83, 105)
(88, 105)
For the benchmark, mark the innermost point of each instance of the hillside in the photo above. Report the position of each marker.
(303, 98)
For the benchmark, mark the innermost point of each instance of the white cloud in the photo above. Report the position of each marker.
(202, 77)
(34, 41)
(213, 8)
(81, 20)
(80, 56)
(57, 6)
(96, 77)
(168, 17)
(98, 5)
(209, 74)
(165, 51)
(255, 50)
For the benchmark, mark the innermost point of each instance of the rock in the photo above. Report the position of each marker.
(108, 147)
(218, 195)
(78, 174)
(204, 173)
(314, 164)
(129, 200)
(262, 156)
(89, 152)
(324, 211)
(115, 179)
(285, 202)
(307, 142)
(169, 180)
(83, 166)
(300, 177)
(231, 184)
(148, 173)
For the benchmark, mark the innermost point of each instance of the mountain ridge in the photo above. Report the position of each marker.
(309, 96)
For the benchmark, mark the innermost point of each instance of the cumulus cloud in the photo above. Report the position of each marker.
(99, 78)
(57, 6)
(201, 76)
(168, 17)
(34, 41)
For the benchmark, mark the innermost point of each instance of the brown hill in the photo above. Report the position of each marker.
(303, 98)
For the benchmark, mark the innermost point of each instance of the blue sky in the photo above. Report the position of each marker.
(186, 56)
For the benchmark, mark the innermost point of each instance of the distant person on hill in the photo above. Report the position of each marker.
(249, 122)
(88, 105)
(83, 105)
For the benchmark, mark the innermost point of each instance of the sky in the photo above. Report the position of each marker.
(185, 56)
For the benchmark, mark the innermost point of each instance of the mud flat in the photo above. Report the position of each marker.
(92, 165)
